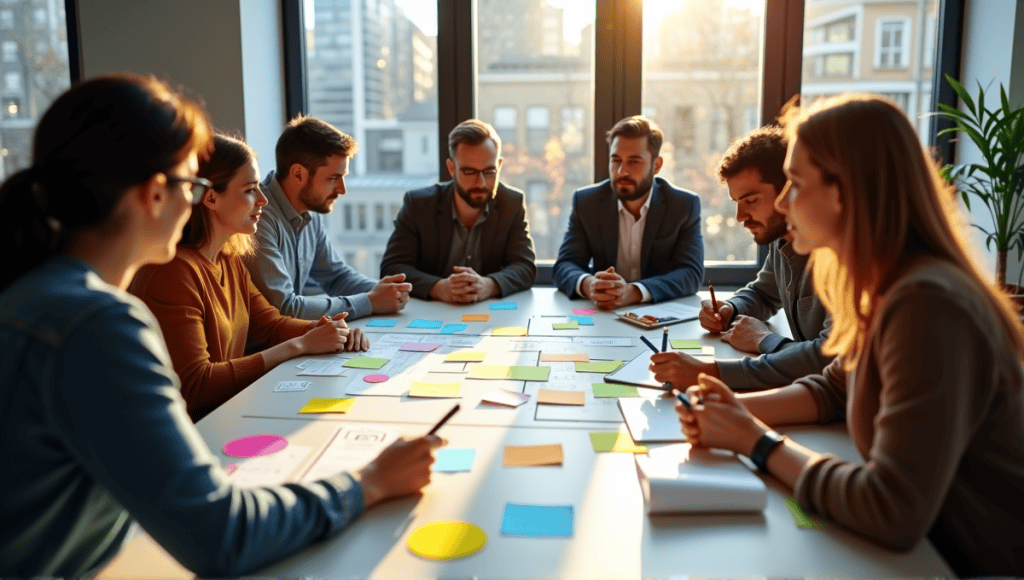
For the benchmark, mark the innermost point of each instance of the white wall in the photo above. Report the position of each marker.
(263, 76)
(993, 54)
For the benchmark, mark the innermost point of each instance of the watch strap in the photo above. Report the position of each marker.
(764, 446)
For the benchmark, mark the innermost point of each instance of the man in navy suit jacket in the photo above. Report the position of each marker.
(634, 237)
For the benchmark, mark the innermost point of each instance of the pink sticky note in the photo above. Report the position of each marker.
(419, 346)
(230, 468)
(375, 378)
(255, 445)
(583, 311)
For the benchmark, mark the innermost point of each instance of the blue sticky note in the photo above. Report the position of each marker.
(421, 323)
(537, 520)
(382, 322)
(449, 460)
(504, 306)
(583, 320)
(453, 328)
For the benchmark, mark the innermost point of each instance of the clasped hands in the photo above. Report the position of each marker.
(332, 334)
(464, 286)
(607, 289)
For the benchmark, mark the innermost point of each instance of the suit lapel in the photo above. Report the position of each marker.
(488, 236)
(609, 220)
(654, 214)
(444, 224)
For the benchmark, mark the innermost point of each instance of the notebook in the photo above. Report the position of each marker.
(680, 479)
(655, 315)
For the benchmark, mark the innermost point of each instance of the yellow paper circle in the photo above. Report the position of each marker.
(447, 540)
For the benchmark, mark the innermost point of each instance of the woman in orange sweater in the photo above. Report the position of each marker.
(206, 303)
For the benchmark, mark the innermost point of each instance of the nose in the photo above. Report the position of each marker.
(741, 216)
(261, 199)
(782, 201)
(340, 187)
(619, 169)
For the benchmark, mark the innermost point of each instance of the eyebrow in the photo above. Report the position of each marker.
(746, 195)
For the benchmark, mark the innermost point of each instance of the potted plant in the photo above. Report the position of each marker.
(998, 181)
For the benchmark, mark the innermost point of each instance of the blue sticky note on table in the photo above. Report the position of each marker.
(453, 328)
(382, 322)
(450, 460)
(583, 320)
(504, 306)
(537, 520)
(421, 323)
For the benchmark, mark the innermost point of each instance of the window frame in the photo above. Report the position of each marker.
(904, 46)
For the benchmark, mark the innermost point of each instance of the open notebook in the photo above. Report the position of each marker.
(678, 478)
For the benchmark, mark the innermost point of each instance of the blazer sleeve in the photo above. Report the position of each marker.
(760, 298)
(519, 269)
(687, 259)
(574, 255)
(404, 247)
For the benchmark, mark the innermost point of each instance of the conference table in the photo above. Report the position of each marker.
(613, 536)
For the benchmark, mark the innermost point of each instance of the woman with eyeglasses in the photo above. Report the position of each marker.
(93, 429)
(928, 376)
(206, 303)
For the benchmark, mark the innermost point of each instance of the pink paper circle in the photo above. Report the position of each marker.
(255, 445)
(230, 468)
(583, 311)
(375, 378)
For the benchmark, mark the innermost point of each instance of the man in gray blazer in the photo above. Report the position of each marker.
(634, 237)
(465, 240)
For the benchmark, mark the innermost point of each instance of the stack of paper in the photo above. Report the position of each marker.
(678, 478)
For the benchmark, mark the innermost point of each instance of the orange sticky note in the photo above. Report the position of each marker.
(564, 357)
(560, 397)
(466, 356)
(476, 317)
(434, 390)
(527, 455)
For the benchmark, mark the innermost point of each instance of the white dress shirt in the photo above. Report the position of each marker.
(627, 260)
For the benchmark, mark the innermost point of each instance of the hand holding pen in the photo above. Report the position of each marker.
(714, 315)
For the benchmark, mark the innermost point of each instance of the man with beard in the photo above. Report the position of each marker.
(633, 237)
(752, 170)
(294, 265)
(464, 240)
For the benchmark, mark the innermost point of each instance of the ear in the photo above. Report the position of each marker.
(498, 165)
(451, 167)
(298, 173)
(210, 199)
(657, 164)
(152, 195)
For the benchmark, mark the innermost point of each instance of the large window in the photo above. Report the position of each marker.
(34, 71)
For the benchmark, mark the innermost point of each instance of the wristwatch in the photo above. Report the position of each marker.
(764, 446)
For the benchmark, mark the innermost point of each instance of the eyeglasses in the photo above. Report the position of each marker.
(488, 174)
(198, 188)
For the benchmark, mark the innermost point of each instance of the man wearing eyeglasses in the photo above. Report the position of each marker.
(465, 240)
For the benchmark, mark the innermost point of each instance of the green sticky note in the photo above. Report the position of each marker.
(686, 344)
(530, 373)
(613, 390)
(598, 367)
(565, 325)
(615, 443)
(366, 362)
(802, 519)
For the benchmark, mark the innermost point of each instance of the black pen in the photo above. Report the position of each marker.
(666, 386)
(444, 419)
(683, 399)
(664, 340)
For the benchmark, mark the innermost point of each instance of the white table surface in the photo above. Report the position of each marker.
(613, 536)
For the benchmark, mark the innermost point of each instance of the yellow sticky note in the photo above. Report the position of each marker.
(447, 540)
(489, 371)
(322, 405)
(466, 356)
(476, 317)
(434, 390)
(509, 331)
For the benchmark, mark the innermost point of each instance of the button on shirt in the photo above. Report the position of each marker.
(631, 236)
(465, 249)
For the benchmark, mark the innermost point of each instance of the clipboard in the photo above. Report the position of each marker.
(657, 315)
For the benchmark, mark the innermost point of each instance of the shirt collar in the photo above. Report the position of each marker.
(643, 209)
(280, 200)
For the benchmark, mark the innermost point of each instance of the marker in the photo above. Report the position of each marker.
(444, 419)
(666, 386)
(664, 340)
(683, 399)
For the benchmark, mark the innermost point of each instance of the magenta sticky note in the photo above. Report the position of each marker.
(583, 311)
(419, 346)
(376, 378)
(255, 445)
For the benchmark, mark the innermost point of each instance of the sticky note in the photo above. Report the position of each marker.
(322, 405)
(452, 460)
(565, 325)
(509, 331)
(504, 306)
(604, 367)
(531, 455)
(476, 317)
(504, 397)
(489, 372)
(561, 397)
(612, 390)
(583, 320)
(434, 390)
(466, 356)
(520, 373)
(615, 443)
(537, 520)
(802, 518)
(685, 344)
(366, 362)
(453, 328)
(447, 540)
(564, 357)
(421, 323)
(418, 346)
(387, 322)
(285, 386)
(255, 445)
(583, 311)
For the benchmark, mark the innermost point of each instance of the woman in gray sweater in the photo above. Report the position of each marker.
(928, 375)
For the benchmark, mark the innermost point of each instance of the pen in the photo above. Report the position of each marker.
(682, 398)
(666, 386)
(714, 303)
(664, 340)
(444, 419)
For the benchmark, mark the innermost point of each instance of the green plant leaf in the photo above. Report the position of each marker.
(962, 93)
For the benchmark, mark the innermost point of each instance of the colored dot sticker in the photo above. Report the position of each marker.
(375, 378)
(583, 311)
(447, 540)
(230, 468)
(255, 445)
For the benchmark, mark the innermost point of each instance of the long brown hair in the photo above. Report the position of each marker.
(895, 206)
(228, 156)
